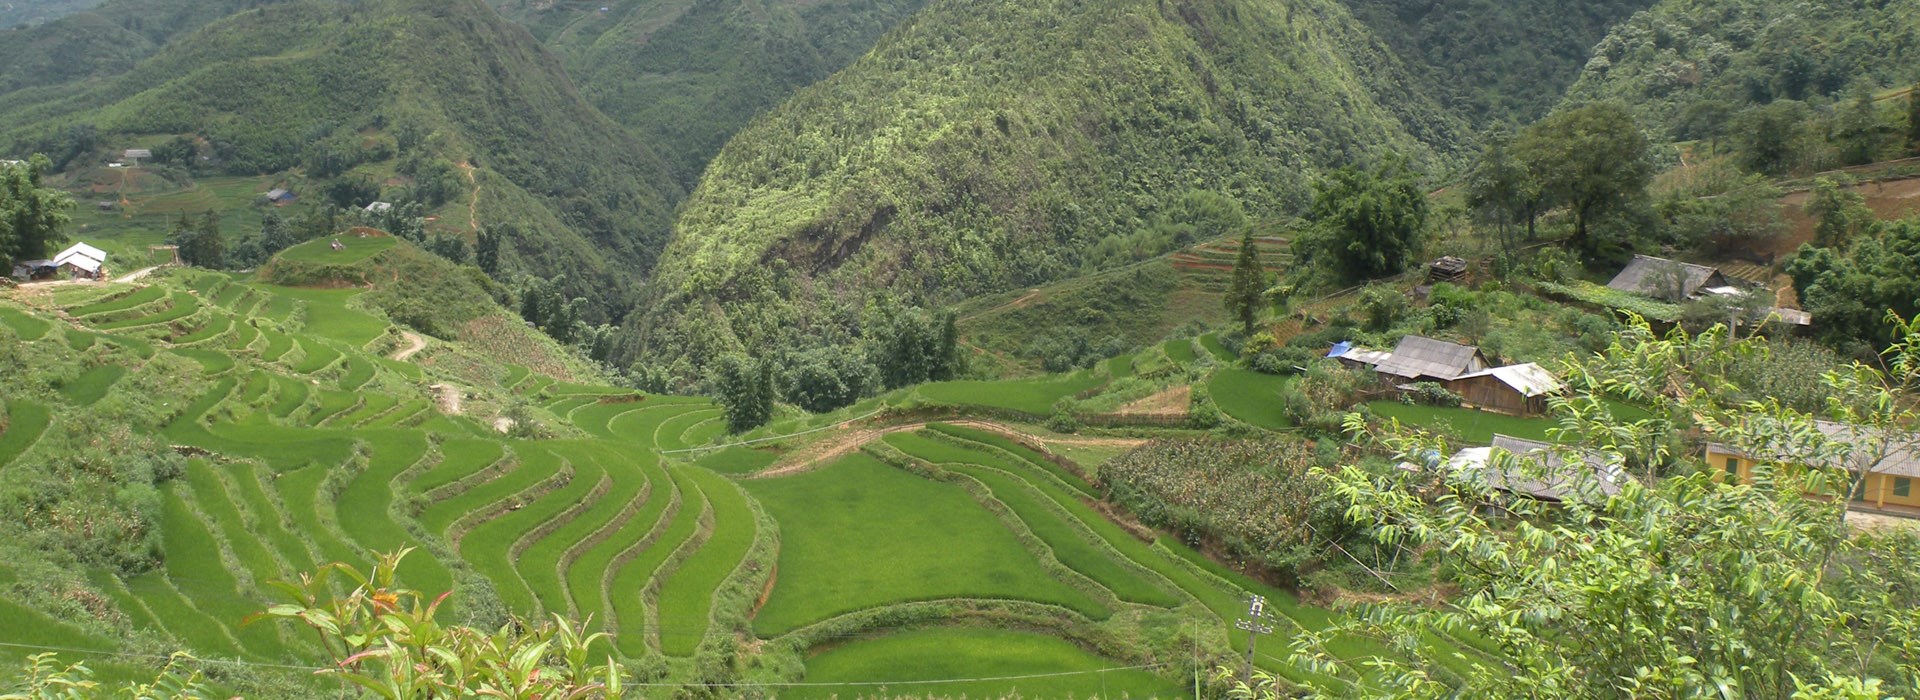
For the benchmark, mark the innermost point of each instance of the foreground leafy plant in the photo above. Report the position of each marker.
(388, 641)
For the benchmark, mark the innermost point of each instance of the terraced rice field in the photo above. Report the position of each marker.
(1251, 397)
(317, 450)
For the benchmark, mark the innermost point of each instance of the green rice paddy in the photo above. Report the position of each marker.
(1250, 396)
(921, 663)
(354, 249)
(1035, 396)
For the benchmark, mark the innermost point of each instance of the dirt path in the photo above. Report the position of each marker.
(850, 439)
(1173, 400)
(447, 396)
(137, 274)
(1015, 304)
(415, 343)
(473, 204)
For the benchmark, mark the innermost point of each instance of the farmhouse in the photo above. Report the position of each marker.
(1418, 358)
(280, 196)
(379, 207)
(1518, 389)
(81, 261)
(1667, 279)
(1891, 463)
(28, 270)
(136, 155)
(1536, 470)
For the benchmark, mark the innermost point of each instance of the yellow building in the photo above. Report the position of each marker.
(1891, 464)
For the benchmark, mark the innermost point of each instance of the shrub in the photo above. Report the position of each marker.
(1432, 394)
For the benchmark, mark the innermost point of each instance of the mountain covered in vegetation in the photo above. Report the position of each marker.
(1685, 66)
(685, 76)
(444, 103)
(1495, 60)
(987, 144)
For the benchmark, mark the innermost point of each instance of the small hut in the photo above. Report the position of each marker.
(1448, 269)
(1661, 278)
(1516, 389)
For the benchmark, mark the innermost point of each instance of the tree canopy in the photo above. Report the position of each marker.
(1594, 159)
(1370, 222)
(33, 216)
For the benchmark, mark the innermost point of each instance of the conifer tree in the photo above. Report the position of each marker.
(1249, 282)
(1913, 119)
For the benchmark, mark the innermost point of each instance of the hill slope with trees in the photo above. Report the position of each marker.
(985, 145)
(685, 76)
(444, 103)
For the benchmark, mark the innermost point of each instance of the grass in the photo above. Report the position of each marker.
(1180, 350)
(277, 344)
(458, 460)
(320, 250)
(194, 563)
(173, 612)
(300, 491)
(631, 578)
(1471, 425)
(595, 564)
(329, 316)
(535, 465)
(670, 434)
(1251, 397)
(1211, 342)
(179, 305)
(359, 372)
(738, 460)
(25, 326)
(370, 405)
(860, 534)
(213, 362)
(1021, 451)
(1034, 396)
(215, 326)
(242, 337)
(289, 394)
(143, 295)
(1069, 545)
(686, 596)
(362, 507)
(1120, 367)
(26, 420)
(268, 520)
(317, 357)
(92, 385)
(908, 659)
(541, 564)
(490, 546)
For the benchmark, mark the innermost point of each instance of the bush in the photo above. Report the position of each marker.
(1432, 394)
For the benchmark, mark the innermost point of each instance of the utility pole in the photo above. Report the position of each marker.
(1255, 625)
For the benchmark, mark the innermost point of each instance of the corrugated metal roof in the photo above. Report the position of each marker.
(80, 249)
(1650, 276)
(1538, 470)
(1529, 379)
(1902, 456)
(1417, 357)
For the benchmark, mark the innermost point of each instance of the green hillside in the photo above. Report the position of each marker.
(684, 76)
(75, 39)
(1495, 60)
(29, 12)
(443, 102)
(260, 429)
(1681, 54)
(984, 146)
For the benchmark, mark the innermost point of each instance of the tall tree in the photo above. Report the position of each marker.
(32, 217)
(744, 387)
(1838, 211)
(200, 242)
(1370, 221)
(1249, 284)
(1592, 158)
(1502, 192)
(1913, 119)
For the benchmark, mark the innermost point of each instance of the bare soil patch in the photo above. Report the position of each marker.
(1171, 401)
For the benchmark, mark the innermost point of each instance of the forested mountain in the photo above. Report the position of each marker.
(1685, 65)
(1495, 60)
(22, 12)
(988, 144)
(683, 76)
(106, 40)
(441, 100)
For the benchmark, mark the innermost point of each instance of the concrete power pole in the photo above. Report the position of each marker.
(1255, 625)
